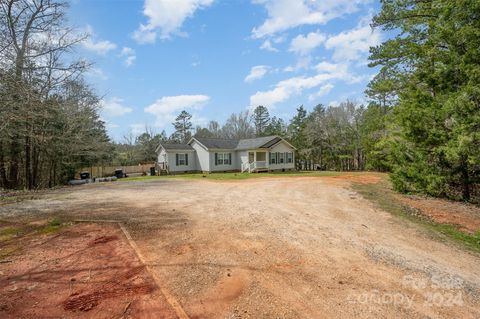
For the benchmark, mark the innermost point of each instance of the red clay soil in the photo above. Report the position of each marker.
(466, 216)
(84, 271)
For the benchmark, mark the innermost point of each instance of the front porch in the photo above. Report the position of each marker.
(257, 162)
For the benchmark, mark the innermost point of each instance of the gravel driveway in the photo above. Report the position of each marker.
(287, 247)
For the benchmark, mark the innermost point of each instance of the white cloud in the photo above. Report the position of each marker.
(97, 73)
(305, 44)
(138, 128)
(167, 108)
(101, 47)
(144, 34)
(334, 103)
(353, 45)
(108, 124)
(129, 56)
(302, 63)
(286, 14)
(267, 45)
(165, 17)
(114, 107)
(339, 71)
(324, 90)
(283, 90)
(257, 72)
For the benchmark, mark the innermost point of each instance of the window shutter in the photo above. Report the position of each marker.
(176, 159)
(216, 159)
(285, 157)
(229, 158)
(186, 159)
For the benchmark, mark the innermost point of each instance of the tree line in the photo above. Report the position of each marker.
(49, 123)
(335, 137)
(426, 96)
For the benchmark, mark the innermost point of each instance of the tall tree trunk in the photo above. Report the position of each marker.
(28, 160)
(35, 165)
(3, 171)
(465, 182)
(14, 165)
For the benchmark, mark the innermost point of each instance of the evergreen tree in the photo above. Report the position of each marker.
(261, 119)
(276, 126)
(296, 129)
(433, 61)
(183, 127)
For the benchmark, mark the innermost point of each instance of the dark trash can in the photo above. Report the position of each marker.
(84, 175)
(152, 171)
(119, 173)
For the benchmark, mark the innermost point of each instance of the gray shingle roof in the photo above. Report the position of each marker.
(251, 143)
(217, 143)
(243, 144)
(272, 142)
(169, 146)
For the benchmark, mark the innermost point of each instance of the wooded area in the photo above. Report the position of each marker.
(49, 121)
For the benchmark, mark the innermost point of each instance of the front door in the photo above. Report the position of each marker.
(251, 157)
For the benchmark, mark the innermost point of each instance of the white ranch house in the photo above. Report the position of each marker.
(222, 155)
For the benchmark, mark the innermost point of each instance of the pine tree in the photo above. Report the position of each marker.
(183, 126)
(433, 61)
(261, 119)
(296, 129)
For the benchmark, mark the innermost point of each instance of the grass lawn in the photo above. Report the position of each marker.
(236, 176)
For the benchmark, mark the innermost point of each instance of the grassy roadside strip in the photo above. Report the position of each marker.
(382, 195)
(239, 176)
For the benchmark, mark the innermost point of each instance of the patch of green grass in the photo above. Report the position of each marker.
(54, 225)
(382, 195)
(8, 233)
(239, 176)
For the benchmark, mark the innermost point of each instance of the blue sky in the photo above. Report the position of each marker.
(154, 58)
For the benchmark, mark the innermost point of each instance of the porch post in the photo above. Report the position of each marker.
(255, 156)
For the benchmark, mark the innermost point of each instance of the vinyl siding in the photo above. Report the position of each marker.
(202, 157)
(282, 147)
(223, 167)
(172, 165)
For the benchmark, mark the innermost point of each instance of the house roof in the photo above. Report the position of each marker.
(239, 144)
(272, 142)
(169, 146)
(258, 142)
(217, 143)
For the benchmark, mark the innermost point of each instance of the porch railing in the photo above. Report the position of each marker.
(250, 167)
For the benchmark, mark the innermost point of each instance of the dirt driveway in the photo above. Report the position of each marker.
(289, 247)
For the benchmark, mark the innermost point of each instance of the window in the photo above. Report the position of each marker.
(273, 158)
(227, 158)
(223, 158)
(181, 159)
(281, 159)
(289, 157)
